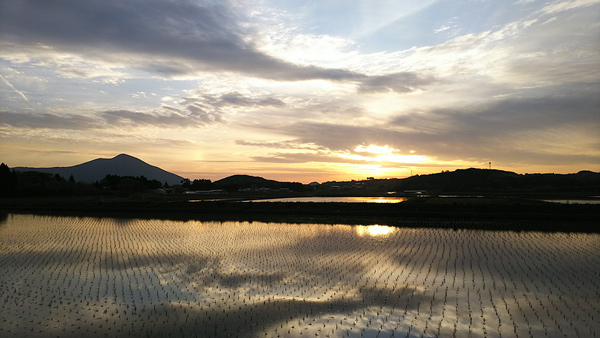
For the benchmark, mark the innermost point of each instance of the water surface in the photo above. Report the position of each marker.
(574, 201)
(91, 277)
(336, 199)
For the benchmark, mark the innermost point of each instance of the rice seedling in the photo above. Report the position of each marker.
(69, 276)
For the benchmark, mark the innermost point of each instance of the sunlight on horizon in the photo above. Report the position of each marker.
(362, 171)
(385, 154)
(328, 91)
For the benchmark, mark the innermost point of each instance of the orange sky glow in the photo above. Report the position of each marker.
(318, 91)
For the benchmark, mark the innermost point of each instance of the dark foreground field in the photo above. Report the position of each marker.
(497, 213)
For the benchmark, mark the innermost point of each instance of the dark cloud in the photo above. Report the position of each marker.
(197, 117)
(167, 38)
(298, 158)
(172, 109)
(323, 157)
(339, 137)
(240, 100)
(475, 133)
(503, 117)
(237, 99)
(443, 146)
(167, 70)
(45, 120)
(110, 119)
(398, 82)
(290, 144)
(208, 108)
(170, 37)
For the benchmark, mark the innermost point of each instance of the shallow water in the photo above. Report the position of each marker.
(70, 276)
(335, 199)
(574, 201)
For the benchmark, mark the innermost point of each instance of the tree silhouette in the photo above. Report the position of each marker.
(202, 184)
(8, 181)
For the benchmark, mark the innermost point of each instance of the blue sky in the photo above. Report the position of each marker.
(302, 91)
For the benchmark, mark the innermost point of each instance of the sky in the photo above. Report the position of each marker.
(302, 90)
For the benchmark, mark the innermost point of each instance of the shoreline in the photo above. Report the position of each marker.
(510, 214)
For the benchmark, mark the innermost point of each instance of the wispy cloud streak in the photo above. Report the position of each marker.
(13, 88)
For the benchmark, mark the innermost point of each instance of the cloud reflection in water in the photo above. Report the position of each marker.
(84, 276)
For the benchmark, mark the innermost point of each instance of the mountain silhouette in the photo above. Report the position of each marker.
(121, 165)
(242, 179)
(247, 181)
(482, 180)
(473, 180)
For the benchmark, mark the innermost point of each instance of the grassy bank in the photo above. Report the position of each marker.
(516, 214)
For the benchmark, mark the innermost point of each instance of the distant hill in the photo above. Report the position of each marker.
(242, 179)
(463, 180)
(121, 165)
(485, 180)
(246, 181)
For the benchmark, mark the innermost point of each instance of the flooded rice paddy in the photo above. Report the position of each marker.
(92, 277)
(344, 199)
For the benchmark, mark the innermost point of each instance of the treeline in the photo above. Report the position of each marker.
(255, 183)
(35, 183)
(200, 184)
(474, 181)
(489, 181)
(126, 183)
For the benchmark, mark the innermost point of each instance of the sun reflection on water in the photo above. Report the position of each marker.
(374, 230)
(221, 279)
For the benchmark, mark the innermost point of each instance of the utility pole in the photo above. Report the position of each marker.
(490, 165)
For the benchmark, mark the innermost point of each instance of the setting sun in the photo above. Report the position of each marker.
(381, 161)
(279, 89)
(374, 153)
(376, 170)
(373, 149)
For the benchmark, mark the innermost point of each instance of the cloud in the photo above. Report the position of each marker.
(501, 116)
(271, 88)
(163, 37)
(517, 130)
(340, 137)
(330, 158)
(367, 16)
(238, 100)
(398, 82)
(531, 51)
(522, 114)
(289, 144)
(174, 118)
(5, 81)
(296, 158)
(45, 120)
(561, 6)
(197, 117)
(442, 29)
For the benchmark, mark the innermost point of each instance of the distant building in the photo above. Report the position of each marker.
(415, 191)
(207, 192)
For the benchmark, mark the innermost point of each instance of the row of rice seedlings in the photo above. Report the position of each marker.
(75, 276)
